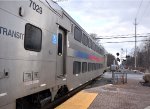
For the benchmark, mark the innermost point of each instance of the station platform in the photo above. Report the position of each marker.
(131, 95)
(81, 100)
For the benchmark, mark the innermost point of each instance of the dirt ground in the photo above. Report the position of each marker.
(131, 95)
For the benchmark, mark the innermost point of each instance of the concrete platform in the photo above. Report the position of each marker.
(122, 96)
(107, 96)
(81, 100)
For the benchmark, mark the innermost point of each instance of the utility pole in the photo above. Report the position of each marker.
(135, 45)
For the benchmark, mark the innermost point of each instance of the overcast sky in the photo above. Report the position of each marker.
(110, 18)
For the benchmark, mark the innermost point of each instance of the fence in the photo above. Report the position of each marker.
(119, 77)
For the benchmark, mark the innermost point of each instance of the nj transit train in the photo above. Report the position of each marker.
(44, 54)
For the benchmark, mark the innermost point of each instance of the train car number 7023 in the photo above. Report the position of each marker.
(35, 7)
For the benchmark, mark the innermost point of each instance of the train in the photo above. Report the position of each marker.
(44, 54)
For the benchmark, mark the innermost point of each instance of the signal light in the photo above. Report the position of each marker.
(118, 59)
(117, 54)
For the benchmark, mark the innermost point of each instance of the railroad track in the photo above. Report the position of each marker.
(57, 102)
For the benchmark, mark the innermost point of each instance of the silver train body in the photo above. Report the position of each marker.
(43, 52)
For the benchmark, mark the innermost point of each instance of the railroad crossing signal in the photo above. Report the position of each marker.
(118, 59)
(117, 54)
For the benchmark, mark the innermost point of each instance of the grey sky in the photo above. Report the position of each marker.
(110, 17)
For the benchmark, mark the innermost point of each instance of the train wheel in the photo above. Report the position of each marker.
(62, 91)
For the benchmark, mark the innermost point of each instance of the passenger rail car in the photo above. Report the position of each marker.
(44, 54)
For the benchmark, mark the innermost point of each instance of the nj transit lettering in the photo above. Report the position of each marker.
(12, 33)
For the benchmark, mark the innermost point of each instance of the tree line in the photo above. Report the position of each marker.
(143, 56)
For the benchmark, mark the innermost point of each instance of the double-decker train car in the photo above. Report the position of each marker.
(44, 54)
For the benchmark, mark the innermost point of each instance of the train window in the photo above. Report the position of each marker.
(92, 66)
(33, 38)
(102, 52)
(85, 40)
(96, 48)
(99, 50)
(77, 34)
(84, 67)
(76, 67)
(97, 66)
(89, 66)
(93, 46)
(90, 43)
(100, 66)
(71, 28)
(60, 44)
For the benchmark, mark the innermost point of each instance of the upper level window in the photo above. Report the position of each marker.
(97, 48)
(93, 46)
(71, 28)
(33, 38)
(99, 51)
(102, 52)
(85, 40)
(77, 34)
(90, 43)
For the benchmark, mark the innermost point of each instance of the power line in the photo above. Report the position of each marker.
(127, 41)
(147, 6)
(139, 9)
(118, 37)
(125, 35)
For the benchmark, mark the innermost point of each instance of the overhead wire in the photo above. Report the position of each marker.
(138, 9)
(118, 37)
(125, 41)
(124, 35)
(145, 11)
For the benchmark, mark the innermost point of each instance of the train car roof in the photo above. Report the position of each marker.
(60, 12)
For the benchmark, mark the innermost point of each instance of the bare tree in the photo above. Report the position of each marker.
(93, 35)
(110, 59)
(143, 56)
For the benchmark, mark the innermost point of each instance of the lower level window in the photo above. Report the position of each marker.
(84, 67)
(76, 67)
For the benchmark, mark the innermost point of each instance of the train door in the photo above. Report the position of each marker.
(61, 53)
